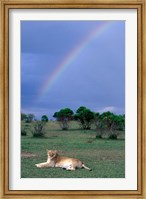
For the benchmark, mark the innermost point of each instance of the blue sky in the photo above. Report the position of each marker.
(94, 78)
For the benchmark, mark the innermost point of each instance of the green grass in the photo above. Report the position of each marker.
(106, 157)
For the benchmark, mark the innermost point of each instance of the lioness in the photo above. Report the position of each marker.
(55, 160)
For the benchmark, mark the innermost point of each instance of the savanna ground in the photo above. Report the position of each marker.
(106, 157)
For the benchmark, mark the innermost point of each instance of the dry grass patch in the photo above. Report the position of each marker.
(27, 155)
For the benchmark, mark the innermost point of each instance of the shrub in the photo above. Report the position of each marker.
(113, 137)
(39, 129)
(98, 136)
(23, 132)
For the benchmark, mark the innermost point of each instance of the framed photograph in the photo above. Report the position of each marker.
(72, 99)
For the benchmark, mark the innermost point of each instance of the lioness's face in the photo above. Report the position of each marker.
(51, 153)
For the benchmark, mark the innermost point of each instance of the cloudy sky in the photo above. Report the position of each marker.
(72, 64)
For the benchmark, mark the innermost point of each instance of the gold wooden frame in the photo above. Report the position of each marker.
(5, 5)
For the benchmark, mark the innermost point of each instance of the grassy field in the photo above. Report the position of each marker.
(105, 157)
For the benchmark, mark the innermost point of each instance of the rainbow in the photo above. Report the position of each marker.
(71, 56)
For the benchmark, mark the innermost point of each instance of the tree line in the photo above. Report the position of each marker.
(106, 121)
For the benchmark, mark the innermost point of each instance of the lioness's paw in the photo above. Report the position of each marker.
(38, 165)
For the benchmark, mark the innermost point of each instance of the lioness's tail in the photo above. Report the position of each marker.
(86, 167)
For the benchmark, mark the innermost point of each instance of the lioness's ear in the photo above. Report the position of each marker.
(56, 152)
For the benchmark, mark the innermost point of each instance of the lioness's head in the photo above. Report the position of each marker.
(51, 153)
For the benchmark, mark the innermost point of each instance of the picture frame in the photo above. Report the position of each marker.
(5, 7)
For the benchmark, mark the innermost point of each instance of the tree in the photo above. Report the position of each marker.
(118, 123)
(85, 117)
(23, 116)
(98, 124)
(110, 123)
(55, 115)
(106, 122)
(44, 118)
(63, 117)
(30, 117)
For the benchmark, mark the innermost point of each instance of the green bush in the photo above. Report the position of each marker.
(113, 137)
(38, 129)
(98, 136)
(23, 132)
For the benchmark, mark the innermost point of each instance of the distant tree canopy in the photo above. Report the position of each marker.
(85, 117)
(27, 117)
(44, 118)
(23, 116)
(106, 123)
(30, 117)
(64, 116)
(110, 122)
